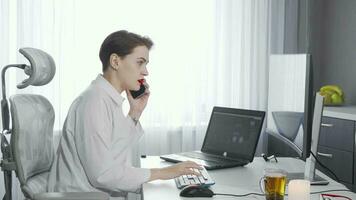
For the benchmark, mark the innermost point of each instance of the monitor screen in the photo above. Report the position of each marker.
(290, 99)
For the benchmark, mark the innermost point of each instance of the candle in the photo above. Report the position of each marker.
(299, 190)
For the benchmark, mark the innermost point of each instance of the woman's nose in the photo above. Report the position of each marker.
(144, 71)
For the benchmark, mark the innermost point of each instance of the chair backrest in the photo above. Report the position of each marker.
(32, 141)
(288, 123)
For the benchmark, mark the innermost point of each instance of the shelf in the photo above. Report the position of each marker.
(341, 112)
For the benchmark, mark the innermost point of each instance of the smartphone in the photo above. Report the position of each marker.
(138, 93)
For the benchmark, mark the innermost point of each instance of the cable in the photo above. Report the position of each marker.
(240, 195)
(339, 190)
(286, 194)
(322, 165)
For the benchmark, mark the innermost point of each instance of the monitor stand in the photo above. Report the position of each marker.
(309, 172)
(316, 180)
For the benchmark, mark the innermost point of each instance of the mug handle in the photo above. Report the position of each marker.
(262, 185)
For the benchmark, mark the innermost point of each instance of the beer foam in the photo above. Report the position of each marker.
(275, 174)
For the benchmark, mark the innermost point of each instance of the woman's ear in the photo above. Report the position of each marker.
(115, 61)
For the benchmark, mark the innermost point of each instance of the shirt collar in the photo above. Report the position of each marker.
(109, 89)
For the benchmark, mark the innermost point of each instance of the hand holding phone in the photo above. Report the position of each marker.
(139, 93)
(138, 99)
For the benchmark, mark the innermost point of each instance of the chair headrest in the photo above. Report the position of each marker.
(42, 68)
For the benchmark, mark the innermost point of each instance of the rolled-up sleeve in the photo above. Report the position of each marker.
(103, 154)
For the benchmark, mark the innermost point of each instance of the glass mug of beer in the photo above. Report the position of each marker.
(273, 184)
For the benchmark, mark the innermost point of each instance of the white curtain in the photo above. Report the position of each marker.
(206, 53)
(228, 68)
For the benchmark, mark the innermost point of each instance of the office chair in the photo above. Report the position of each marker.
(30, 150)
(282, 143)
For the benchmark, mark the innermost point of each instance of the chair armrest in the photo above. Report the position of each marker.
(72, 196)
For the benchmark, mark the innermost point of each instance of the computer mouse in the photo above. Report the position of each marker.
(196, 191)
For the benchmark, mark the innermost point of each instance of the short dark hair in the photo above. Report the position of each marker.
(122, 43)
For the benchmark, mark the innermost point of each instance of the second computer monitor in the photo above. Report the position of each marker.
(290, 99)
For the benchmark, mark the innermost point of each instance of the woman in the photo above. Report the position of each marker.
(94, 150)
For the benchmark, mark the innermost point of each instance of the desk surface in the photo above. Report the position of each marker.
(237, 180)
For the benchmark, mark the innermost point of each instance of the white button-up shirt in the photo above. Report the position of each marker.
(94, 152)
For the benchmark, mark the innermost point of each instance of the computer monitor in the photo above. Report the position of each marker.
(291, 108)
(290, 100)
(308, 108)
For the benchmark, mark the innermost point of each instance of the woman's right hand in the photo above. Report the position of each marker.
(182, 168)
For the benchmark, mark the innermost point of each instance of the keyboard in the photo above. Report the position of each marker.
(186, 180)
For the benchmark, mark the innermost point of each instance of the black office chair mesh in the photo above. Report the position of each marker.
(30, 151)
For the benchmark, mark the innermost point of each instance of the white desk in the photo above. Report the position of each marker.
(237, 180)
